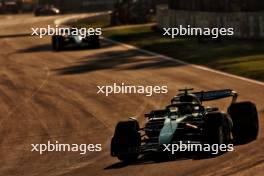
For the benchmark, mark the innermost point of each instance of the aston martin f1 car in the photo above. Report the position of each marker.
(61, 42)
(187, 119)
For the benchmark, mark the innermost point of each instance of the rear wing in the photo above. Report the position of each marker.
(215, 95)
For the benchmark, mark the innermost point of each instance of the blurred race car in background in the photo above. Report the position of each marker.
(61, 42)
(132, 11)
(10, 6)
(47, 10)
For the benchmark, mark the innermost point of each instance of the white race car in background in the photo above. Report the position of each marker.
(60, 42)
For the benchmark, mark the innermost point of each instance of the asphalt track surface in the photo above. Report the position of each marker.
(46, 95)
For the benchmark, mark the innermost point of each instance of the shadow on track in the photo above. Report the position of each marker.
(37, 48)
(48, 47)
(119, 60)
(15, 35)
(149, 159)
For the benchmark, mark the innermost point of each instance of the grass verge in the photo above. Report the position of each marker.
(240, 57)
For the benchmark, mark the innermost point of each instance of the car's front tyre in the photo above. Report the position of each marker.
(126, 141)
(95, 41)
(57, 43)
(217, 129)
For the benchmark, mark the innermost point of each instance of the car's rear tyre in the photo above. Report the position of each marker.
(57, 43)
(218, 130)
(245, 122)
(126, 141)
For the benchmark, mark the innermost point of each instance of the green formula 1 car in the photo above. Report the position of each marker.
(186, 119)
